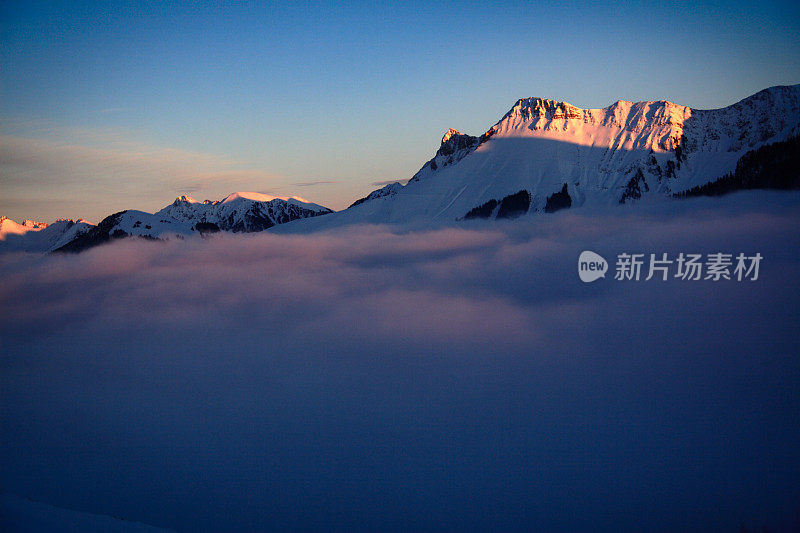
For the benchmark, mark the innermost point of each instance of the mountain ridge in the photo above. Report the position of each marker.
(624, 152)
(237, 212)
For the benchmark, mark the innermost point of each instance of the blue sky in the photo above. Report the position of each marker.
(113, 105)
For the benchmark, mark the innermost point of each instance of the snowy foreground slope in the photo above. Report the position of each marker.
(238, 212)
(23, 515)
(568, 156)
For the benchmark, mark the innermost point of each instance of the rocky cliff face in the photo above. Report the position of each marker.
(387, 190)
(455, 146)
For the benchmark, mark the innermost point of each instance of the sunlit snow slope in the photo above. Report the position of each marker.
(33, 236)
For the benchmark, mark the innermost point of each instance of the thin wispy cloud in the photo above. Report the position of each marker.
(186, 189)
(95, 166)
(313, 183)
(388, 182)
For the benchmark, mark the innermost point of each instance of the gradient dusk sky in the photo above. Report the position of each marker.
(113, 105)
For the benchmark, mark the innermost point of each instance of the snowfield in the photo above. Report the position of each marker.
(381, 378)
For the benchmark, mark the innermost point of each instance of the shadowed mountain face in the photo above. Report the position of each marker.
(102, 233)
(774, 166)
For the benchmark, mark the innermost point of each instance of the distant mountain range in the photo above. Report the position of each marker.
(541, 156)
(238, 212)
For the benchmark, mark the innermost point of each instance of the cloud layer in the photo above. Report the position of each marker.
(375, 379)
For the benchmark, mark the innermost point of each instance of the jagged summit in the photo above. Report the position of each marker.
(545, 107)
(261, 197)
(631, 115)
(542, 107)
(255, 196)
(453, 141)
(455, 145)
(185, 198)
(663, 118)
(241, 211)
(241, 195)
(34, 224)
(70, 220)
(450, 133)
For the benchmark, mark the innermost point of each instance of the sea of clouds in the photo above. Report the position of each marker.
(372, 378)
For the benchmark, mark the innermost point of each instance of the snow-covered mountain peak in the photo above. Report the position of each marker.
(8, 226)
(34, 224)
(541, 107)
(254, 196)
(37, 236)
(544, 155)
(455, 145)
(450, 133)
(248, 198)
(662, 120)
(658, 125)
(185, 198)
(241, 211)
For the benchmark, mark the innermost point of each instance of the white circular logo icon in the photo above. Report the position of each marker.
(591, 266)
